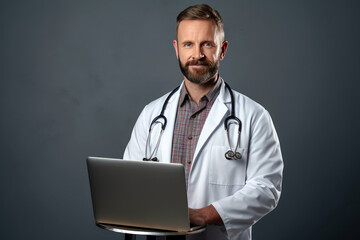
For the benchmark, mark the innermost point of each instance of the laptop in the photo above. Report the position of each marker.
(139, 194)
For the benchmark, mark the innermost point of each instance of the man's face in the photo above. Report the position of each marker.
(199, 49)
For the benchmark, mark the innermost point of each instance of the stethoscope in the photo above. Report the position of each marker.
(230, 154)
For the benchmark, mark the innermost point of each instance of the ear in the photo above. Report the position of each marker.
(223, 49)
(176, 48)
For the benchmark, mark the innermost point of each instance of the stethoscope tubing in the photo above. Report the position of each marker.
(230, 155)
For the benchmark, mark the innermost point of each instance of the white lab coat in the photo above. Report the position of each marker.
(242, 191)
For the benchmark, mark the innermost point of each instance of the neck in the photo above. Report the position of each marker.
(197, 91)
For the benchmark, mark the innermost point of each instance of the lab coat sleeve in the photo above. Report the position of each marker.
(135, 149)
(262, 189)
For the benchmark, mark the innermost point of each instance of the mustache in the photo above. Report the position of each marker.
(198, 62)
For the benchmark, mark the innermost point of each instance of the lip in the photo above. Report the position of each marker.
(198, 66)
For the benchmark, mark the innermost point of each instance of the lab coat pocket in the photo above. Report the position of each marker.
(227, 172)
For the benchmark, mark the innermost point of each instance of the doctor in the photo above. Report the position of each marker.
(227, 195)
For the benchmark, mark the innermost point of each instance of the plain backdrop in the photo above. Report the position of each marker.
(74, 76)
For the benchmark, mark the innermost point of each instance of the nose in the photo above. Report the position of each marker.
(198, 53)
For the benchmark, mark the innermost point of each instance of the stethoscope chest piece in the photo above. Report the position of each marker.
(230, 155)
(154, 159)
(237, 155)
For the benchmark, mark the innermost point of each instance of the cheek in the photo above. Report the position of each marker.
(182, 59)
(182, 55)
(214, 56)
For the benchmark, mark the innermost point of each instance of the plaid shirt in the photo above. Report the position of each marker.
(190, 120)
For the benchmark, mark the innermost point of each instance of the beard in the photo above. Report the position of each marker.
(201, 76)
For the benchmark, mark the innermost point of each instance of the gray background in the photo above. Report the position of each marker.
(74, 75)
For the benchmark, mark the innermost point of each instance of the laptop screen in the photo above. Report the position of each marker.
(137, 193)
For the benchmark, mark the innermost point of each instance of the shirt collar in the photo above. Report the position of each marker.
(184, 95)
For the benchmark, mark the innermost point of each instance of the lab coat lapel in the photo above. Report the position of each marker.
(215, 117)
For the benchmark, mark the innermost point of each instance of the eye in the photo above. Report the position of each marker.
(208, 44)
(188, 44)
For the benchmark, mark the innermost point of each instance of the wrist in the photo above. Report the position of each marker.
(211, 216)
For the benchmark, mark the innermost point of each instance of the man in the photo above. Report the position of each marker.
(227, 195)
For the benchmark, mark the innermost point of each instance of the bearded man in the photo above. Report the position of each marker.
(233, 167)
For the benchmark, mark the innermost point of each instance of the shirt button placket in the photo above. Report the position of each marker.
(191, 121)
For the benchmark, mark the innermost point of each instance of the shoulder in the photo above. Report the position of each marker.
(248, 105)
(241, 101)
(252, 114)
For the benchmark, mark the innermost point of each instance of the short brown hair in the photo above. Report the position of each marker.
(201, 12)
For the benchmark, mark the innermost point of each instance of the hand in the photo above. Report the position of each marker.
(206, 215)
(197, 216)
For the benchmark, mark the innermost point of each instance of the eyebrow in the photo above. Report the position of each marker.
(206, 41)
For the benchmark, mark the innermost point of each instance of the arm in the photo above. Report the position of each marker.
(261, 191)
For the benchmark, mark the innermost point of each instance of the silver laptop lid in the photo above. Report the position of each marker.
(138, 193)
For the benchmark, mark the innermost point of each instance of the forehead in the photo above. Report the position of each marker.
(196, 29)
